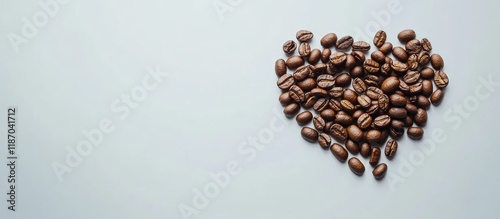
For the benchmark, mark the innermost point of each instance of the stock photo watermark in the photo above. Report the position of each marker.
(222, 7)
(121, 107)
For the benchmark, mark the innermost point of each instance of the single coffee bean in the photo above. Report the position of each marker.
(359, 85)
(338, 132)
(339, 152)
(437, 97)
(338, 58)
(289, 47)
(294, 62)
(351, 96)
(335, 105)
(280, 67)
(356, 72)
(373, 135)
(373, 92)
(314, 57)
(359, 56)
(360, 46)
(390, 148)
(304, 49)
(378, 56)
(291, 110)
(426, 44)
(304, 35)
(355, 133)
(296, 93)
(357, 113)
(427, 88)
(347, 105)
(329, 40)
(304, 117)
(319, 123)
(382, 121)
(356, 166)
(331, 69)
(397, 113)
(398, 100)
(415, 133)
(309, 134)
(437, 61)
(423, 58)
(352, 146)
(411, 109)
(343, 119)
(320, 104)
(336, 92)
(364, 121)
(412, 62)
(317, 69)
(285, 98)
(403, 86)
(398, 66)
(343, 80)
(365, 149)
(325, 81)
(371, 66)
(373, 109)
(364, 101)
(301, 73)
(406, 35)
(427, 73)
(415, 88)
(441, 79)
(386, 69)
(350, 61)
(396, 133)
(324, 140)
(383, 138)
(408, 121)
(411, 77)
(344, 43)
(421, 117)
(379, 171)
(285, 81)
(375, 156)
(307, 84)
(328, 114)
(325, 55)
(386, 48)
(383, 102)
(423, 102)
(319, 92)
(379, 38)
(328, 125)
(390, 84)
(413, 46)
(372, 80)
(400, 53)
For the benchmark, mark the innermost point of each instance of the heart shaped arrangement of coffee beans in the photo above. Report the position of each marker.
(359, 100)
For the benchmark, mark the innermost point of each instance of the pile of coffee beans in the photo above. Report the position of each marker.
(360, 100)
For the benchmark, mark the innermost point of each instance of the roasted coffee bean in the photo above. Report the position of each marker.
(423, 102)
(408, 121)
(304, 117)
(373, 135)
(294, 62)
(285, 81)
(364, 121)
(309, 134)
(350, 61)
(355, 133)
(339, 152)
(400, 53)
(386, 48)
(403, 86)
(413, 46)
(343, 80)
(351, 96)
(304, 35)
(383, 102)
(291, 109)
(307, 84)
(324, 140)
(379, 171)
(338, 58)
(364, 101)
(347, 105)
(357, 113)
(382, 121)
(359, 85)
(319, 123)
(427, 73)
(398, 124)
(319, 92)
(296, 93)
(391, 148)
(359, 56)
(427, 88)
(329, 40)
(344, 43)
(338, 132)
(285, 98)
(289, 47)
(411, 77)
(441, 79)
(397, 113)
(325, 55)
(421, 117)
(335, 105)
(378, 56)
(379, 38)
(390, 84)
(426, 44)
(343, 119)
(396, 133)
(356, 166)
(320, 104)
(328, 114)
(415, 133)
(372, 80)
(423, 58)
(398, 66)
(325, 81)
(415, 88)
(371, 66)
(437, 97)
(360, 46)
(411, 109)
(365, 149)
(398, 100)
(314, 57)
(301, 73)
(386, 69)
(373, 92)
(437, 61)
(328, 125)
(375, 156)
(356, 72)
(412, 62)
(280, 67)
(352, 146)
(406, 35)
(304, 49)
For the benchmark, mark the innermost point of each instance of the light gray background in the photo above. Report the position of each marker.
(221, 91)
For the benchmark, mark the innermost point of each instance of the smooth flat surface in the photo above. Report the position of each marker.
(219, 95)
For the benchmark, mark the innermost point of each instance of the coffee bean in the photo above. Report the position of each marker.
(373, 135)
(371, 80)
(347, 105)
(437, 97)
(364, 121)
(360, 46)
(343, 119)
(307, 84)
(411, 109)
(301, 73)
(355, 133)
(406, 35)
(356, 166)
(324, 140)
(304, 49)
(421, 117)
(426, 44)
(309, 134)
(397, 100)
(382, 121)
(390, 84)
(441, 79)
(357, 113)
(338, 58)
(325, 81)
(378, 56)
(383, 102)
(365, 149)
(437, 61)
(328, 114)
(359, 56)
(398, 66)
(319, 92)
(397, 113)
(289, 47)
(423, 102)
(352, 146)
(350, 61)
(390, 148)
(344, 43)
(427, 88)
(408, 121)
(373, 92)
(375, 156)
(379, 171)
(329, 40)
(336, 92)
(364, 101)
(304, 117)
(413, 46)
(415, 88)
(294, 62)
(339, 152)
(335, 105)
(280, 67)
(343, 80)
(285, 98)
(296, 93)
(285, 81)
(338, 132)
(396, 133)
(320, 104)
(427, 73)
(386, 69)
(314, 56)
(403, 86)
(371, 66)
(411, 77)
(423, 58)
(325, 55)
(415, 133)
(291, 109)
(400, 53)
(351, 96)
(386, 48)
(412, 62)
(319, 123)
(357, 72)
(379, 38)
(304, 35)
